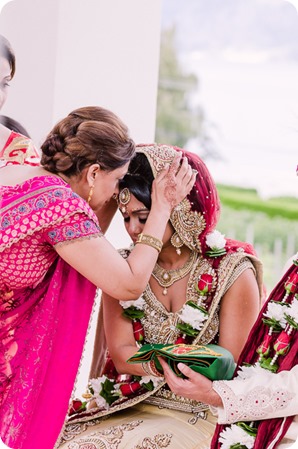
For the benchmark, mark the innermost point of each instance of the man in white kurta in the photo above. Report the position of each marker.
(257, 394)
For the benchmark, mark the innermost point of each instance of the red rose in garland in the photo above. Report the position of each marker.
(291, 284)
(282, 344)
(138, 330)
(181, 340)
(204, 284)
(129, 388)
(77, 406)
(264, 347)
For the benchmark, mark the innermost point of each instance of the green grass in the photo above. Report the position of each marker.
(238, 198)
(269, 224)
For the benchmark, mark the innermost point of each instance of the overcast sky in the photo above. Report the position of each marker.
(263, 26)
(245, 55)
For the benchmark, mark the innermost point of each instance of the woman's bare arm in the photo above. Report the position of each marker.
(239, 309)
(98, 260)
(119, 336)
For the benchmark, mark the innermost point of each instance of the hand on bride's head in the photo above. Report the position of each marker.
(173, 183)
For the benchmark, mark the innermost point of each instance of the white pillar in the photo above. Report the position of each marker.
(72, 53)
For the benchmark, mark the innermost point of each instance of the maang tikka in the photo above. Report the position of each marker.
(124, 199)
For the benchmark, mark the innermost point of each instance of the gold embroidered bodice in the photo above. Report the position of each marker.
(159, 324)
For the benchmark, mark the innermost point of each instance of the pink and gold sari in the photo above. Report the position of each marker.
(45, 306)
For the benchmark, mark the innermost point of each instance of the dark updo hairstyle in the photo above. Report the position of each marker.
(139, 179)
(7, 52)
(87, 136)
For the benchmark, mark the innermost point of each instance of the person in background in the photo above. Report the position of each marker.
(258, 409)
(15, 145)
(53, 257)
(195, 295)
(13, 125)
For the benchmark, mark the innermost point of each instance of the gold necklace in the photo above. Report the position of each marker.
(167, 278)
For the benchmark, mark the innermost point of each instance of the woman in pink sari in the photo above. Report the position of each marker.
(54, 255)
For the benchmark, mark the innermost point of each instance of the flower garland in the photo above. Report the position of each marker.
(112, 388)
(106, 391)
(134, 310)
(217, 242)
(281, 319)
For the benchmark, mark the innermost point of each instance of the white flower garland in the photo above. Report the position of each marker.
(235, 435)
(137, 303)
(193, 317)
(96, 385)
(292, 311)
(216, 240)
(276, 312)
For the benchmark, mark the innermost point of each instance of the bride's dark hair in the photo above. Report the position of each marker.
(203, 196)
(139, 179)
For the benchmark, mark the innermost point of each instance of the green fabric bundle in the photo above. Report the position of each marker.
(212, 361)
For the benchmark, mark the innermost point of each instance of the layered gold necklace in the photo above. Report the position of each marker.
(166, 278)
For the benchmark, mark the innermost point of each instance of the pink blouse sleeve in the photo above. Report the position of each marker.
(73, 227)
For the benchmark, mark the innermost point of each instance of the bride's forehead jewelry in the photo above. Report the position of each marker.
(124, 199)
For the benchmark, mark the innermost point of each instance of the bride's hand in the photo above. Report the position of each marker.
(173, 183)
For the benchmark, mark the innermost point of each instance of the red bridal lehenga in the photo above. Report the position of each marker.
(45, 306)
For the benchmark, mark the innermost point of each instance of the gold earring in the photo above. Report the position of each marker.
(177, 242)
(90, 193)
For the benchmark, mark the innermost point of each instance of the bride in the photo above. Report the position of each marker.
(203, 289)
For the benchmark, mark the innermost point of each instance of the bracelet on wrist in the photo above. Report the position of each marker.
(150, 369)
(149, 240)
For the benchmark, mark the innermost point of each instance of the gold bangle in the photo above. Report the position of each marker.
(150, 369)
(146, 369)
(149, 240)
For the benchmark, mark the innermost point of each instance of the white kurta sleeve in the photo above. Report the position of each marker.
(260, 395)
